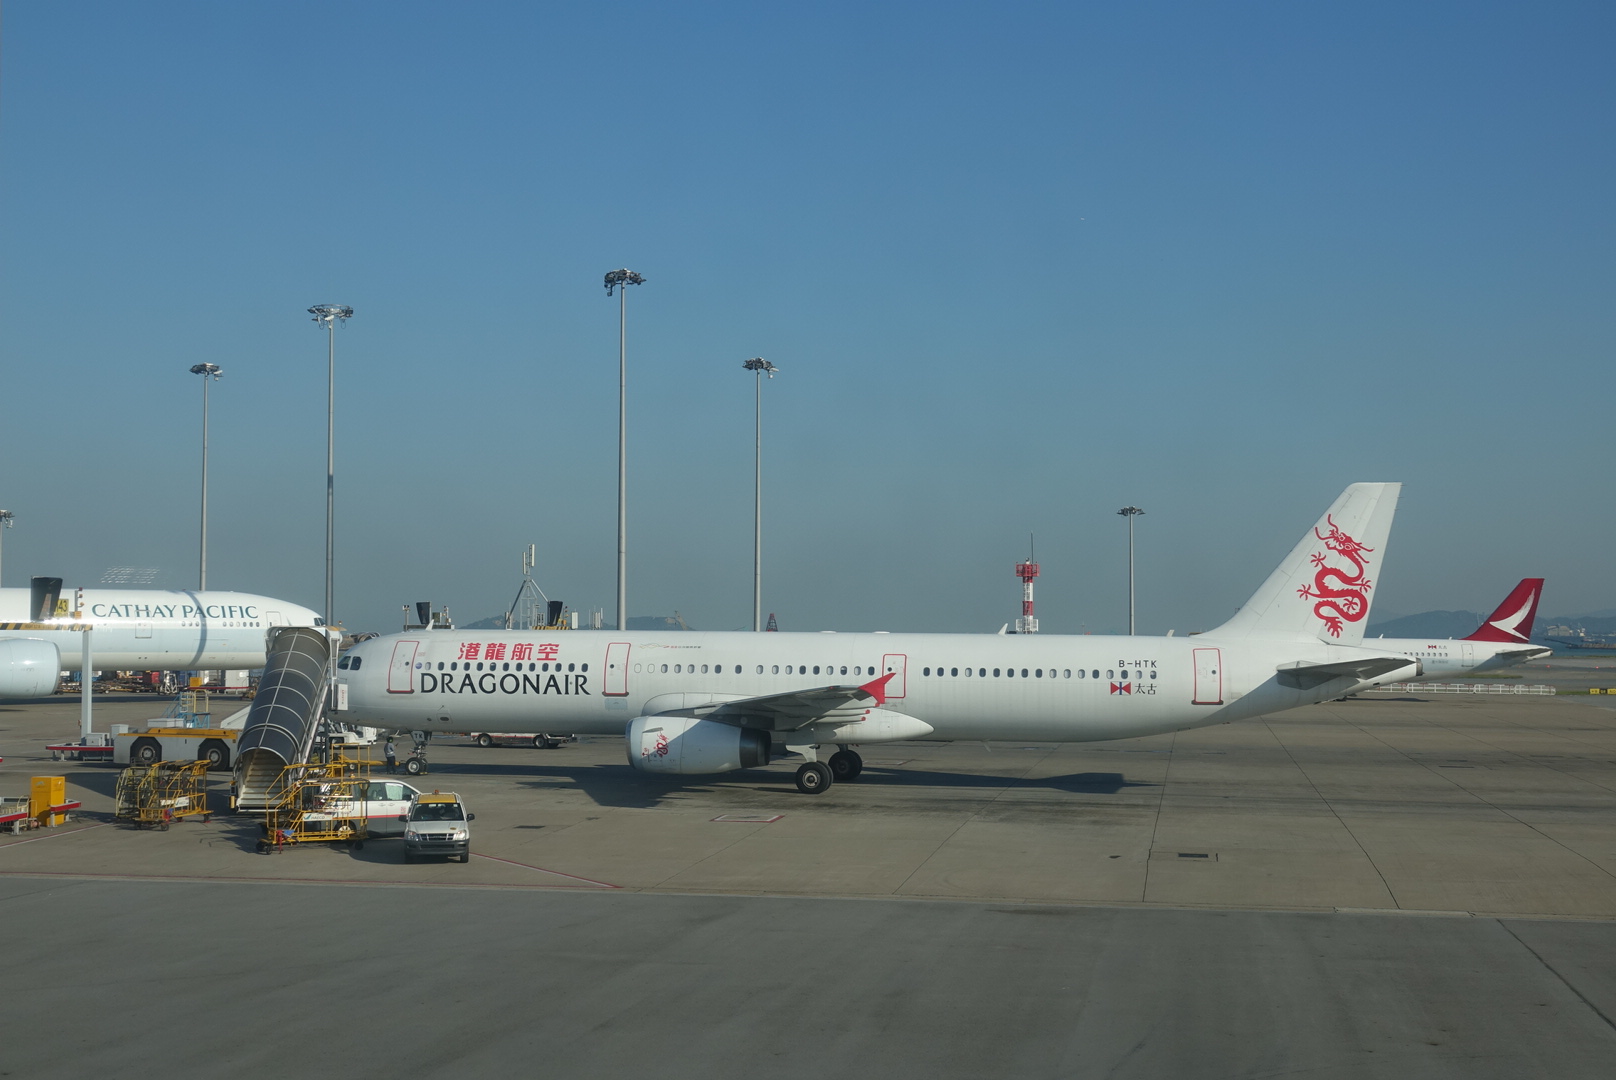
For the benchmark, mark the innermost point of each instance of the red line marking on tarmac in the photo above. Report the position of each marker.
(542, 870)
(54, 835)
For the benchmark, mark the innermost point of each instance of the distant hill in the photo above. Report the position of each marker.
(1427, 624)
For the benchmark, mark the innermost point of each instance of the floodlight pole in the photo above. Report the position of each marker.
(209, 373)
(621, 280)
(1130, 512)
(330, 315)
(759, 367)
(6, 517)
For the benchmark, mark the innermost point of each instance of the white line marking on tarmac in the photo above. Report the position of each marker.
(54, 835)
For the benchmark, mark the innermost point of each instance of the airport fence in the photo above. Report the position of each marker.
(1535, 689)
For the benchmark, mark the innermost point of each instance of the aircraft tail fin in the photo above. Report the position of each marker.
(1325, 585)
(1513, 619)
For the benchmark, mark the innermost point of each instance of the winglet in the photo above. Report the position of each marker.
(1512, 621)
(877, 688)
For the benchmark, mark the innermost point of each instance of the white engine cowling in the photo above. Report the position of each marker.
(29, 667)
(686, 746)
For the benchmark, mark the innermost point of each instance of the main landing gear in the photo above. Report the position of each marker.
(846, 765)
(816, 777)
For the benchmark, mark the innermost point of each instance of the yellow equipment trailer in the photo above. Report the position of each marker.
(158, 795)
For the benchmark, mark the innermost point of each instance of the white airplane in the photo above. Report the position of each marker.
(1504, 639)
(132, 629)
(698, 703)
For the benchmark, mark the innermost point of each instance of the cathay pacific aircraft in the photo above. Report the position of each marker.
(132, 629)
(697, 703)
(1503, 639)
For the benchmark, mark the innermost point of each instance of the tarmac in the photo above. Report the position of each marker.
(1398, 886)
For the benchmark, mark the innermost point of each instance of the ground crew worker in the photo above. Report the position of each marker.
(391, 755)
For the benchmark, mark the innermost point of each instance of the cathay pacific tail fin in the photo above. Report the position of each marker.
(1326, 584)
(1513, 619)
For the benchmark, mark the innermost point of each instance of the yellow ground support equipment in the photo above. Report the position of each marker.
(163, 793)
(319, 803)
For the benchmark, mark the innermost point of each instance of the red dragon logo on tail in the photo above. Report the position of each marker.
(1348, 599)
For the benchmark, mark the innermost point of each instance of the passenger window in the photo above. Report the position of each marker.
(1096, 673)
(738, 669)
(704, 669)
(440, 665)
(583, 667)
(1039, 673)
(927, 671)
(636, 669)
(1152, 674)
(776, 670)
(479, 665)
(1068, 674)
(954, 671)
(759, 670)
(572, 667)
(1109, 673)
(664, 669)
(995, 673)
(981, 672)
(816, 669)
(1023, 673)
(844, 669)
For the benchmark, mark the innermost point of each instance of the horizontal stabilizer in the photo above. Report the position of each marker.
(795, 708)
(1536, 652)
(1303, 676)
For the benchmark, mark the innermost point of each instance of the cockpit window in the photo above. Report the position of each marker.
(344, 662)
(356, 662)
(438, 811)
(319, 621)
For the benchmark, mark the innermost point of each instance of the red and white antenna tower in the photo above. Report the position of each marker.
(1026, 571)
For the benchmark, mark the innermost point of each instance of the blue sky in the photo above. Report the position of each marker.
(1020, 265)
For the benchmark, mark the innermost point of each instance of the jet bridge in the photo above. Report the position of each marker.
(285, 715)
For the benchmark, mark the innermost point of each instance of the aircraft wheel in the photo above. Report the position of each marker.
(415, 766)
(846, 765)
(485, 740)
(814, 778)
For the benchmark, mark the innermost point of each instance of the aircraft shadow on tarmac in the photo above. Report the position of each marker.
(620, 786)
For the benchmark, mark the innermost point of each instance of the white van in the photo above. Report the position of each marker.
(437, 824)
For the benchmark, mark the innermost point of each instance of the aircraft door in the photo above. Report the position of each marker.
(1208, 677)
(896, 665)
(1468, 655)
(401, 672)
(616, 684)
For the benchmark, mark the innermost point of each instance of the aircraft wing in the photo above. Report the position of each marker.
(793, 709)
(1305, 676)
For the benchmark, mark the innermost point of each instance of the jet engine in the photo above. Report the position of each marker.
(29, 667)
(685, 746)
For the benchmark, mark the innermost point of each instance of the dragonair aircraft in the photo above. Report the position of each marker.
(699, 703)
(1504, 639)
(132, 629)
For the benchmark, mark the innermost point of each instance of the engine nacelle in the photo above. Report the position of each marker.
(686, 746)
(29, 667)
